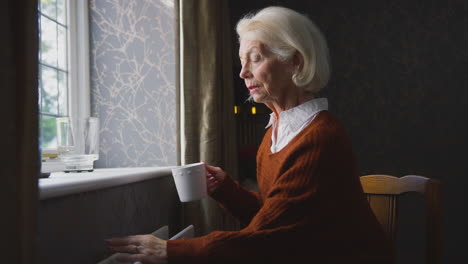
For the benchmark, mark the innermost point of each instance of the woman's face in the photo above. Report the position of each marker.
(266, 76)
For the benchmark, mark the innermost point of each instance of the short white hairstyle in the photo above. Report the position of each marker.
(284, 32)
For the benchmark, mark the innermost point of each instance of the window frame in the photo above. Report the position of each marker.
(79, 70)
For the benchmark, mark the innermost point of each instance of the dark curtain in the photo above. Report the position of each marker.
(19, 131)
(206, 100)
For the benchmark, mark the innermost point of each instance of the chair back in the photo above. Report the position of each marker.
(383, 192)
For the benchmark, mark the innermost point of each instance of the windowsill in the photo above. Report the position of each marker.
(61, 183)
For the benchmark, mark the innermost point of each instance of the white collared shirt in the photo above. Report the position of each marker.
(293, 121)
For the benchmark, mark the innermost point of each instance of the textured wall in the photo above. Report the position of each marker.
(399, 84)
(133, 81)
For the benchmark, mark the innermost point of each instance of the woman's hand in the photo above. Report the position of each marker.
(214, 177)
(147, 249)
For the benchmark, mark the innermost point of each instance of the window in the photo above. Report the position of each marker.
(63, 65)
(53, 68)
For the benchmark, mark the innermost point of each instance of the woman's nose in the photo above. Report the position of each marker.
(244, 73)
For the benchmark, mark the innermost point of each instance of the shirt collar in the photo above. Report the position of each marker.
(296, 116)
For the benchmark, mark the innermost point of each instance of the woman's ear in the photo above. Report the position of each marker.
(298, 61)
(297, 66)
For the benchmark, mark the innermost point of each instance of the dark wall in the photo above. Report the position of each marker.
(399, 84)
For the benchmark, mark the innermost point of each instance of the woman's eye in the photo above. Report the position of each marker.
(255, 57)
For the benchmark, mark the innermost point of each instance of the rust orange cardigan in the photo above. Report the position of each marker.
(310, 209)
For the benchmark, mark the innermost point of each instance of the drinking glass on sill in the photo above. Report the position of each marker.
(78, 143)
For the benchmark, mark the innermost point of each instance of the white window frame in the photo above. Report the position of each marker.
(79, 99)
(78, 37)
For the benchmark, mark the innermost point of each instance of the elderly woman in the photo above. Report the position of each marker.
(311, 208)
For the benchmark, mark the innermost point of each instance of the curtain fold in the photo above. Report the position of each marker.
(206, 100)
(19, 133)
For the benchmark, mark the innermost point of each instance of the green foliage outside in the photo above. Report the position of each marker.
(48, 131)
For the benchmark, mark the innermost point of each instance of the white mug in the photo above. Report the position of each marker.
(190, 181)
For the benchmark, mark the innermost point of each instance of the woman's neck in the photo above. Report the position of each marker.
(279, 106)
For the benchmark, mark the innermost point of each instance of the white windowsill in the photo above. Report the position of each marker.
(61, 183)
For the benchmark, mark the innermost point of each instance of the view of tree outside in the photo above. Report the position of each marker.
(53, 70)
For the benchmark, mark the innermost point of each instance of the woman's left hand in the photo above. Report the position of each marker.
(147, 249)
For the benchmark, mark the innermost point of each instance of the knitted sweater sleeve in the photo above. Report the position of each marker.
(274, 224)
(240, 202)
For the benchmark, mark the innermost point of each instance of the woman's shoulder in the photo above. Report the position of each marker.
(325, 121)
(326, 117)
(323, 128)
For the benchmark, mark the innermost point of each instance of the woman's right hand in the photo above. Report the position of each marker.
(214, 177)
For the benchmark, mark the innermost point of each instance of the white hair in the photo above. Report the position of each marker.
(284, 32)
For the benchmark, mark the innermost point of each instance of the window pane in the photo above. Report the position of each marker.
(48, 132)
(40, 38)
(49, 90)
(53, 68)
(39, 99)
(48, 7)
(48, 41)
(63, 93)
(62, 47)
(61, 12)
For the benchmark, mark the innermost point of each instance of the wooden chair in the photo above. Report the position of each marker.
(383, 192)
